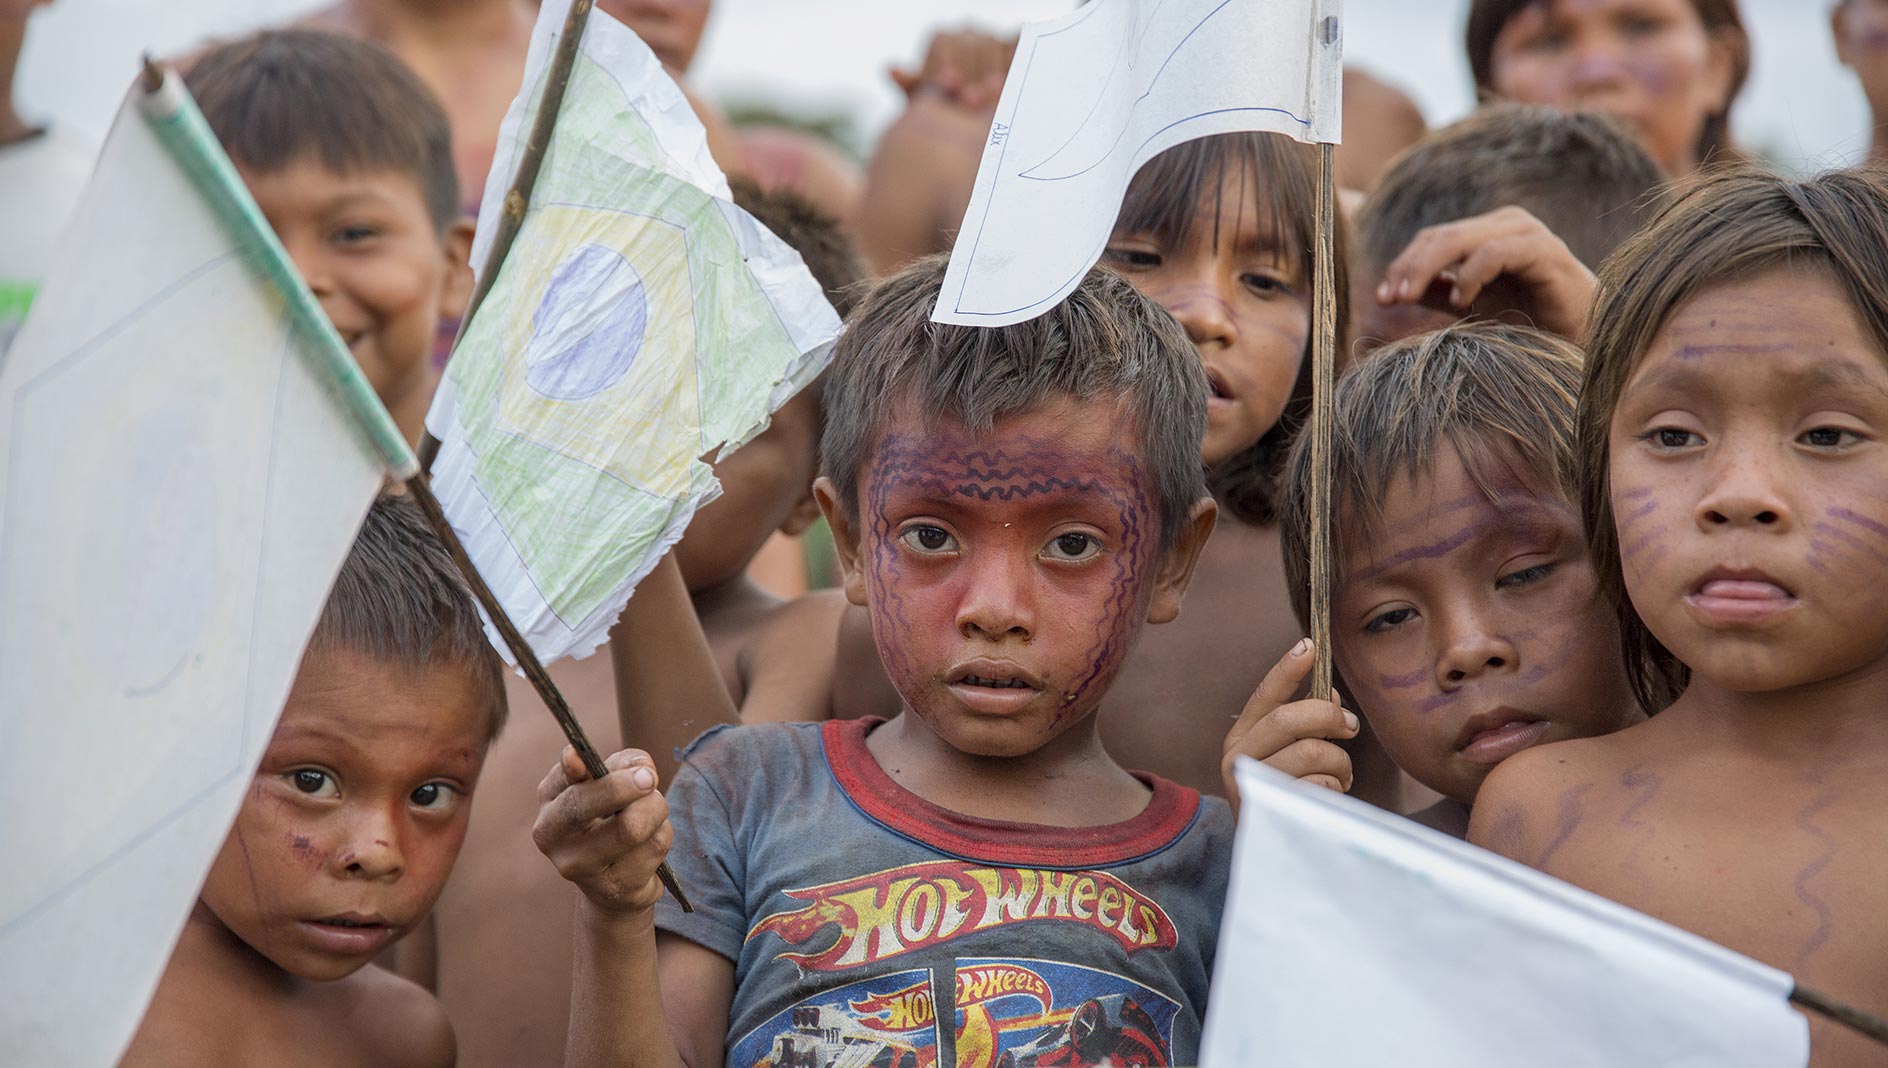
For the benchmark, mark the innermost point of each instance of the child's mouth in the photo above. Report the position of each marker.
(349, 934)
(1739, 597)
(995, 684)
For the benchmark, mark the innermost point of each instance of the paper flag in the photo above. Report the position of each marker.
(640, 322)
(1095, 94)
(181, 477)
(1356, 937)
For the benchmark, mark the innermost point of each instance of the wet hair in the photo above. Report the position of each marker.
(1720, 18)
(1162, 203)
(399, 600)
(280, 96)
(1104, 341)
(1502, 396)
(1731, 225)
(1581, 173)
(822, 243)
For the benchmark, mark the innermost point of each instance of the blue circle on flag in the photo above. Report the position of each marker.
(588, 327)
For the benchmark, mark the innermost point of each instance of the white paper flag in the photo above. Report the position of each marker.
(178, 488)
(640, 322)
(1095, 94)
(1357, 937)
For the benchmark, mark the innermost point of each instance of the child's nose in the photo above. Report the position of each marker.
(1206, 316)
(373, 848)
(996, 603)
(1472, 652)
(1744, 493)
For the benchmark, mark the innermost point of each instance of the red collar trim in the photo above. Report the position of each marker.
(882, 800)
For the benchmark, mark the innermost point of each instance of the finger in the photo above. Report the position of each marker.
(1489, 261)
(557, 779)
(640, 835)
(1433, 250)
(1313, 756)
(574, 768)
(1279, 685)
(1299, 721)
(1325, 781)
(586, 802)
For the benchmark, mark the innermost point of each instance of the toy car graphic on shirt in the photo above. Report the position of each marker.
(826, 1037)
(1111, 1030)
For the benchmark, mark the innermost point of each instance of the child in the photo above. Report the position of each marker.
(1502, 215)
(1861, 32)
(360, 189)
(1732, 474)
(1010, 505)
(351, 828)
(1465, 620)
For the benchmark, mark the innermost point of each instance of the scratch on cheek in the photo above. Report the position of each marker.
(1572, 811)
(1825, 916)
(304, 849)
(255, 888)
(1646, 784)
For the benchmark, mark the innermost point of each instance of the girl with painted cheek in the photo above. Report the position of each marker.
(1733, 454)
(1669, 68)
(1219, 231)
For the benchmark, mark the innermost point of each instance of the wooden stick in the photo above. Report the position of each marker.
(1323, 374)
(1862, 1023)
(518, 197)
(521, 651)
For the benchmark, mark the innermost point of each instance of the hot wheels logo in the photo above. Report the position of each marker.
(899, 910)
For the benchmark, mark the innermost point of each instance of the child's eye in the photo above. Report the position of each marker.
(1265, 283)
(434, 795)
(1074, 547)
(314, 783)
(355, 234)
(1640, 26)
(1671, 437)
(1131, 259)
(929, 539)
(1524, 576)
(1829, 437)
(1384, 621)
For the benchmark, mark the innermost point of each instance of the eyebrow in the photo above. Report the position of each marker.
(1821, 373)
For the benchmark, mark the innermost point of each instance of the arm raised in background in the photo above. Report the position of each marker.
(668, 689)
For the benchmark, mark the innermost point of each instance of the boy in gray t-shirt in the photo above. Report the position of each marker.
(974, 881)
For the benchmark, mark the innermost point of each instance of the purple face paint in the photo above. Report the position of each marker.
(1825, 916)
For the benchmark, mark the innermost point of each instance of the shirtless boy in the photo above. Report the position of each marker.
(349, 832)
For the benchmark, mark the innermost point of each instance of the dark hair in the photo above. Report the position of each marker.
(1162, 203)
(1581, 173)
(1503, 396)
(821, 242)
(1487, 17)
(400, 600)
(1729, 226)
(1104, 340)
(280, 95)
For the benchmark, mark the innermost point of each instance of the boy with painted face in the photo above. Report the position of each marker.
(349, 832)
(1465, 620)
(1011, 505)
(360, 189)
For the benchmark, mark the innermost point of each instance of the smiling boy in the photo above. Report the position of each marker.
(1466, 622)
(350, 159)
(349, 831)
(974, 876)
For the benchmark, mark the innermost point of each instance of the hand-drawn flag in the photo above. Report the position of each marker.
(183, 466)
(1356, 937)
(1093, 95)
(640, 322)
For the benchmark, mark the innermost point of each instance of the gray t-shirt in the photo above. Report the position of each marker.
(868, 926)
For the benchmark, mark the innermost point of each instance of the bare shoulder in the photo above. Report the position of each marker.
(860, 685)
(1518, 812)
(400, 1024)
(789, 660)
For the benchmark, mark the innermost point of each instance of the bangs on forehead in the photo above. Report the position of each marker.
(1271, 177)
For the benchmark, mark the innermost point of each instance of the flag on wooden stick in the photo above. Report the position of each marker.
(640, 322)
(188, 452)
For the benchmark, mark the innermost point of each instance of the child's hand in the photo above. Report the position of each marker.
(1468, 254)
(1295, 738)
(607, 836)
(966, 67)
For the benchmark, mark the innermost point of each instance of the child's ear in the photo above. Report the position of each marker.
(1176, 567)
(456, 246)
(845, 539)
(1839, 26)
(801, 516)
(1721, 64)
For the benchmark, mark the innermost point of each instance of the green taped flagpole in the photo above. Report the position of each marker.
(173, 116)
(180, 127)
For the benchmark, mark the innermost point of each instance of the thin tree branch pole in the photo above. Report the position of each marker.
(521, 650)
(1323, 375)
(518, 197)
(1865, 1024)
